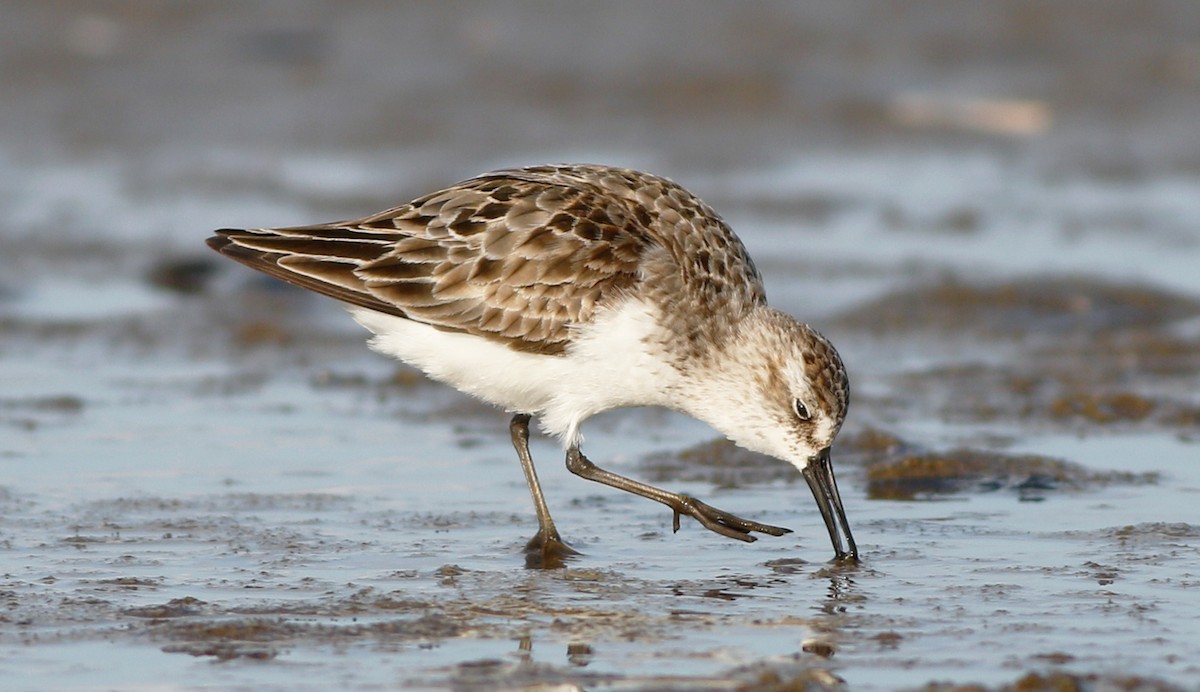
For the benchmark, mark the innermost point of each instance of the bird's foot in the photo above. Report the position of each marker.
(844, 559)
(547, 551)
(720, 521)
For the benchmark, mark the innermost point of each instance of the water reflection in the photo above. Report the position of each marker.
(841, 591)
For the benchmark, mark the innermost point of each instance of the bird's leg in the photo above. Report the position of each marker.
(712, 518)
(546, 549)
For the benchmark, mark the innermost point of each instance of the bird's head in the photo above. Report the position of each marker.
(778, 387)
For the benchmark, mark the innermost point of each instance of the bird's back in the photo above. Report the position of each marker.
(522, 256)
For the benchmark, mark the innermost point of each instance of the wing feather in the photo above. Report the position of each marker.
(515, 259)
(520, 256)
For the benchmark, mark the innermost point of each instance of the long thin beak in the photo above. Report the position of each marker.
(819, 475)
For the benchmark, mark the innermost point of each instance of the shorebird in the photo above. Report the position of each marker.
(562, 291)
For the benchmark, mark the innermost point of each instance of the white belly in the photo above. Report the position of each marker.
(607, 365)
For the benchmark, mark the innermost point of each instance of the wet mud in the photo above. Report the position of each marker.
(210, 482)
(1081, 352)
(1066, 682)
(964, 470)
(432, 583)
(1034, 306)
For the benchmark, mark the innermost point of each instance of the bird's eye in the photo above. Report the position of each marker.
(801, 410)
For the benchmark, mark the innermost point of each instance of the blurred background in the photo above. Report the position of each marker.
(192, 113)
(992, 208)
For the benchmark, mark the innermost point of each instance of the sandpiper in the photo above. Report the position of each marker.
(561, 291)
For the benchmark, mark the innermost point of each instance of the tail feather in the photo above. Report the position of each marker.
(300, 262)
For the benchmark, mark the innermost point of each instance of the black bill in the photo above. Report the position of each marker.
(819, 475)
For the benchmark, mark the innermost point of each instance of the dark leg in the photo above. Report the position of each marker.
(712, 518)
(545, 549)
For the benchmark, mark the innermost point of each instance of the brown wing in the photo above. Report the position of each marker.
(513, 257)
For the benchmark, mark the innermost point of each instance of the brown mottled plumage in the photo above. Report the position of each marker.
(563, 291)
(519, 255)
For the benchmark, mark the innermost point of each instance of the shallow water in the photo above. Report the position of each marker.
(208, 481)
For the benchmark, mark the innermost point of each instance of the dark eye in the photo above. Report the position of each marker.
(801, 410)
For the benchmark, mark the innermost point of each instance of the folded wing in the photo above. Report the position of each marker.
(512, 257)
